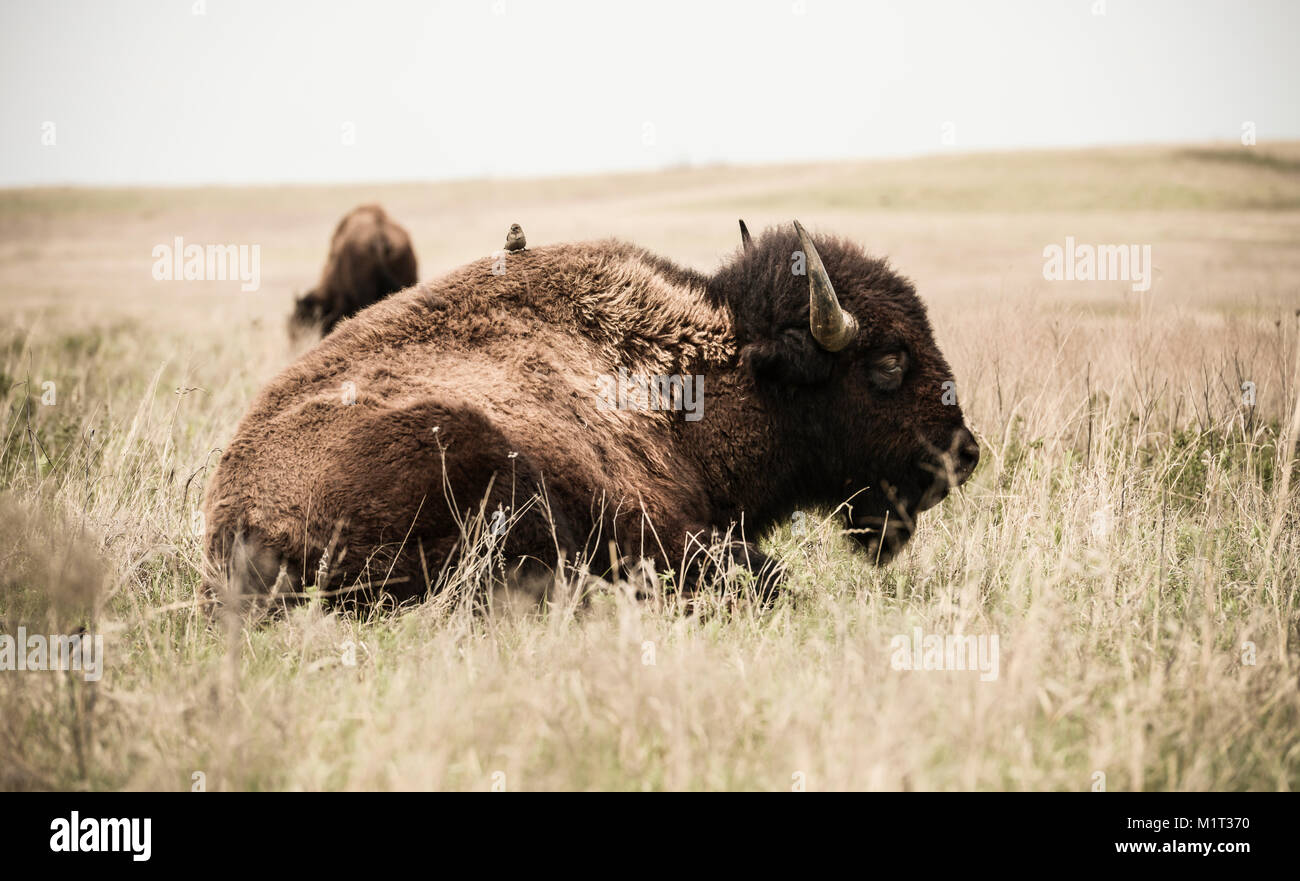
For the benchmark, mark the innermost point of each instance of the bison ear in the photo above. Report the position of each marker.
(792, 358)
(746, 242)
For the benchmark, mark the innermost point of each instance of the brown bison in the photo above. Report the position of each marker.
(370, 257)
(815, 381)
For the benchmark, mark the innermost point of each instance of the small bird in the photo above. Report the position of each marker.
(515, 240)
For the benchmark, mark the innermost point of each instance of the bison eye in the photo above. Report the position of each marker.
(887, 371)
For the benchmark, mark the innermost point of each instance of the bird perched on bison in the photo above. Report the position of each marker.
(814, 368)
(370, 257)
(515, 240)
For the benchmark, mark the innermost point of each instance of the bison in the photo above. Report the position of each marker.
(370, 257)
(821, 385)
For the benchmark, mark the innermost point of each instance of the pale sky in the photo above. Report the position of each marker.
(148, 92)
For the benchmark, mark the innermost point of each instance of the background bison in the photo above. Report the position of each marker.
(481, 386)
(370, 257)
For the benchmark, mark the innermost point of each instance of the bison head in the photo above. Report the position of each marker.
(842, 356)
(308, 314)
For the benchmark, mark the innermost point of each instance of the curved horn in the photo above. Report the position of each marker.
(746, 242)
(831, 326)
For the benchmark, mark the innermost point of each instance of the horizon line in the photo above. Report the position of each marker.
(666, 167)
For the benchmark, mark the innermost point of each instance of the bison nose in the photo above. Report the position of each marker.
(967, 454)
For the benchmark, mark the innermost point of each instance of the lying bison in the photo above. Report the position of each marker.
(370, 257)
(482, 392)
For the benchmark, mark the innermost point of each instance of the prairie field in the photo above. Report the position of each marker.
(1131, 537)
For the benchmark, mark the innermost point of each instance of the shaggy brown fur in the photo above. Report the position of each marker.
(370, 257)
(483, 385)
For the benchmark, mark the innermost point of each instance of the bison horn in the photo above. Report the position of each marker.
(831, 326)
(745, 240)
